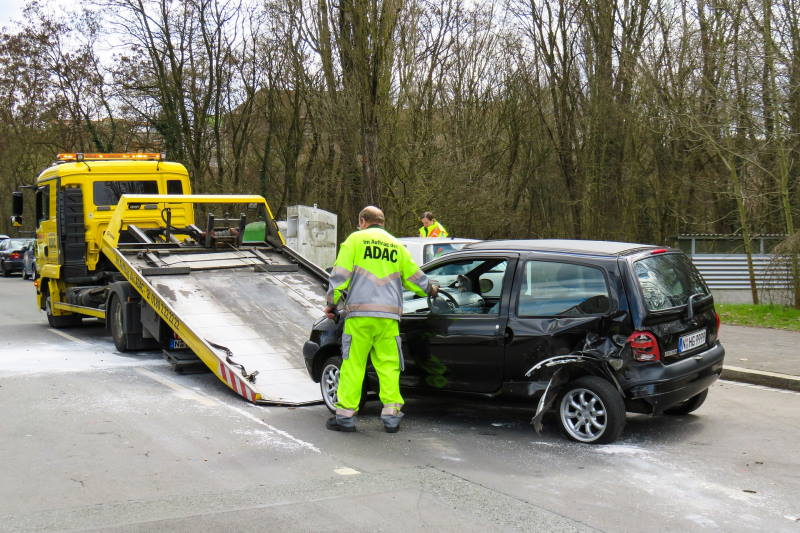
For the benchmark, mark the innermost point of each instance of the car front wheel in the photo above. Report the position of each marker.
(329, 384)
(329, 381)
(591, 410)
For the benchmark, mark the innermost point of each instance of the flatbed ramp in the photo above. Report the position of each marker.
(245, 313)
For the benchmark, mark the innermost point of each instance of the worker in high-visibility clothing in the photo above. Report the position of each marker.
(430, 226)
(372, 268)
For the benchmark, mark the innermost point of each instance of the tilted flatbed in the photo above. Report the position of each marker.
(243, 309)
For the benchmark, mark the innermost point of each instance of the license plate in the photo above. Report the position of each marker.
(177, 344)
(691, 341)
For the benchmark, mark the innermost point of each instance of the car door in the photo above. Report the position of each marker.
(457, 343)
(557, 301)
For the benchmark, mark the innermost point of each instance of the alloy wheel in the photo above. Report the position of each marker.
(583, 415)
(329, 382)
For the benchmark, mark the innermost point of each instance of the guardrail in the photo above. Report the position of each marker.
(729, 271)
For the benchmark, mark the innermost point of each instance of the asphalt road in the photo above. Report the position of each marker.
(93, 439)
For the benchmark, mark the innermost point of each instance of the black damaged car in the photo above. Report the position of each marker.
(589, 329)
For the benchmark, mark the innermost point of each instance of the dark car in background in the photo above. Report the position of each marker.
(588, 329)
(11, 255)
(29, 262)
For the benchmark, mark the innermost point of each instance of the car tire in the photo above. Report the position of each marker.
(329, 383)
(116, 321)
(591, 410)
(692, 404)
(61, 321)
(5, 272)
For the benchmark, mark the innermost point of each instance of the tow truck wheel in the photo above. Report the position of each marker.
(591, 410)
(62, 321)
(329, 384)
(115, 323)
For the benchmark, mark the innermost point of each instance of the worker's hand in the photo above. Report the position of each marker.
(330, 311)
(434, 289)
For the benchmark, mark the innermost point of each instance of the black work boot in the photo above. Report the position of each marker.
(391, 420)
(341, 423)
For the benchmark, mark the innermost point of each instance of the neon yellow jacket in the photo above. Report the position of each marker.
(373, 267)
(434, 230)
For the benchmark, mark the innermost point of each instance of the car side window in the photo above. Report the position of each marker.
(467, 287)
(562, 289)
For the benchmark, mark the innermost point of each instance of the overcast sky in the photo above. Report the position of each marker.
(10, 9)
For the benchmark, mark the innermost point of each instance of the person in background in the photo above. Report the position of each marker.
(431, 227)
(372, 267)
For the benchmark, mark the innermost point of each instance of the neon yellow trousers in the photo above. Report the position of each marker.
(379, 340)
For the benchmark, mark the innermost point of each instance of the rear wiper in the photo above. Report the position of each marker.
(690, 305)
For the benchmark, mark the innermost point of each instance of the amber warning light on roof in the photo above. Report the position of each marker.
(108, 157)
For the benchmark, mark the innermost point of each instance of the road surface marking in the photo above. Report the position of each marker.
(209, 401)
(183, 392)
(272, 428)
(345, 471)
(68, 336)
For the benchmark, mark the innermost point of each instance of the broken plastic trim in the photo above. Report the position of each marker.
(598, 351)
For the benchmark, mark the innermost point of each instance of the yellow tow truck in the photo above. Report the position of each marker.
(118, 239)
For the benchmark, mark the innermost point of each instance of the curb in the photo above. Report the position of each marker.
(761, 377)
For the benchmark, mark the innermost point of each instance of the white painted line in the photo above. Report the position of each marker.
(67, 336)
(183, 392)
(346, 471)
(209, 401)
(272, 428)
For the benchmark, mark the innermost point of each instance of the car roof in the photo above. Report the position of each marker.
(435, 240)
(575, 246)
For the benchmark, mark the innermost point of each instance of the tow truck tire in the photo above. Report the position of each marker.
(591, 411)
(329, 383)
(62, 321)
(692, 404)
(116, 320)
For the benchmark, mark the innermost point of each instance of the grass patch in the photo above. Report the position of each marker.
(763, 316)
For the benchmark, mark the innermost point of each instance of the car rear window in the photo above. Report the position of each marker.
(667, 281)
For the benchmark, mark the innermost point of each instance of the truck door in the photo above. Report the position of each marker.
(556, 303)
(458, 344)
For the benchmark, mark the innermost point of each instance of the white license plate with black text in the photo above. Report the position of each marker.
(691, 341)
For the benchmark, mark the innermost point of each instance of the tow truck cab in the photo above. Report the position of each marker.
(75, 199)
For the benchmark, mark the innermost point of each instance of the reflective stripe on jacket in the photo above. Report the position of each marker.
(434, 230)
(373, 267)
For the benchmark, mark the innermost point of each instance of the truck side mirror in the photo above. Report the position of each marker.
(16, 204)
(16, 209)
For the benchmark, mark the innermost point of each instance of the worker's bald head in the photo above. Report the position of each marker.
(372, 215)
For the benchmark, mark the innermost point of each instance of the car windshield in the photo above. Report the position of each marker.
(432, 251)
(667, 281)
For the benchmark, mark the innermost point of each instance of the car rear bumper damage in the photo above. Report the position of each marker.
(658, 387)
